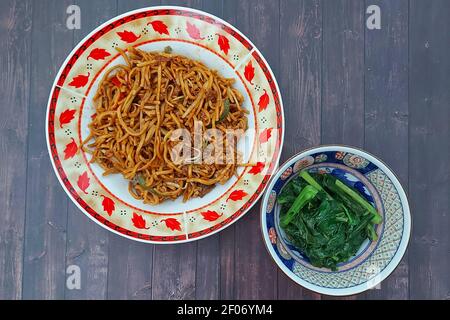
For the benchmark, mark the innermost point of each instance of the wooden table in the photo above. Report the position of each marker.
(387, 91)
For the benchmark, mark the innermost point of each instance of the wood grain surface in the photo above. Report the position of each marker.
(386, 91)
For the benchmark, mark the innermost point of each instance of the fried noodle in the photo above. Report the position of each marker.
(138, 105)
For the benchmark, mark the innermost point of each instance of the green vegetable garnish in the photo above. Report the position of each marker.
(168, 49)
(226, 110)
(302, 199)
(305, 175)
(376, 216)
(139, 179)
(326, 219)
(371, 233)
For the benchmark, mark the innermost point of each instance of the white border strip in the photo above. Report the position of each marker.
(72, 92)
(186, 231)
(244, 60)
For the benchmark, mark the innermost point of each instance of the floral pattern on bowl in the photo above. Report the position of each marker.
(355, 161)
(303, 163)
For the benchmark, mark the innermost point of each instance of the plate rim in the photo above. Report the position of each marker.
(393, 264)
(55, 86)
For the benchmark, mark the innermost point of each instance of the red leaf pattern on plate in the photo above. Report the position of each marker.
(223, 43)
(128, 36)
(210, 215)
(172, 224)
(66, 116)
(249, 72)
(70, 150)
(83, 182)
(193, 31)
(265, 135)
(257, 168)
(80, 80)
(108, 205)
(263, 101)
(98, 54)
(138, 221)
(115, 81)
(159, 27)
(237, 195)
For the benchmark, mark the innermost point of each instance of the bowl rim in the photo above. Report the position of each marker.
(392, 265)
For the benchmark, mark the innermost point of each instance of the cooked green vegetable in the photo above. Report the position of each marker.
(305, 175)
(360, 200)
(140, 180)
(326, 219)
(307, 194)
(226, 110)
(168, 49)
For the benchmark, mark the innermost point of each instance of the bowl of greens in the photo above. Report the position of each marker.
(335, 219)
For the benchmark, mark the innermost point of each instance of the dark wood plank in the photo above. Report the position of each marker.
(174, 266)
(174, 271)
(301, 51)
(300, 79)
(45, 233)
(87, 244)
(129, 269)
(343, 73)
(227, 263)
(429, 149)
(126, 5)
(255, 273)
(214, 7)
(15, 62)
(207, 275)
(386, 111)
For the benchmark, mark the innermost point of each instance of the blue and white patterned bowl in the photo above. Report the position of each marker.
(375, 260)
